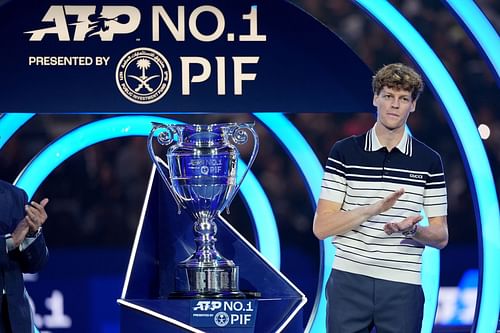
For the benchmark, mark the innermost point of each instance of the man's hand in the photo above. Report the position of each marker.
(330, 220)
(387, 203)
(405, 225)
(36, 215)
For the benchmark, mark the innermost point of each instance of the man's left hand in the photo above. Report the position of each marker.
(405, 225)
(36, 215)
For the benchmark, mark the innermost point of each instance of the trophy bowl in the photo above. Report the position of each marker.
(199, 169)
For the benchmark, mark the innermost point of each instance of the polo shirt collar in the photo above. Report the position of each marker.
(373, 144)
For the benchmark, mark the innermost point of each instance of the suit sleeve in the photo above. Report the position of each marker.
(12, 210)
(34, 257)
(4, 257)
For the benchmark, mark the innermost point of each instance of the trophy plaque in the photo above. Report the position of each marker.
(199, 170)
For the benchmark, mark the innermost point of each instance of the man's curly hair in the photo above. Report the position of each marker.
(399, 77)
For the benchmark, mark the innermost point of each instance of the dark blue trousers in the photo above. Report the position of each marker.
(358, 303)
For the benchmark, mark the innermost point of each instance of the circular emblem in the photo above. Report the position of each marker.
(204, 170)
(221, 319)
(143, 75)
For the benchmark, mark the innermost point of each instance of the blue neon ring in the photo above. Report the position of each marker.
(480, 30)
(10, 123)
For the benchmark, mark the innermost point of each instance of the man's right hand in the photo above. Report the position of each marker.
(387, 202)
(330, 220)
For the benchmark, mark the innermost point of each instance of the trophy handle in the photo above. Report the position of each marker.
(164, 138)
(239, 136)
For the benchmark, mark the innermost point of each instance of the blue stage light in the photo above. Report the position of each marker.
(312, 171)
(10, 123)
(485, 196)
(481, 29)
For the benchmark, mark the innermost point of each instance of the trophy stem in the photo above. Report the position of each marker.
(206, 254)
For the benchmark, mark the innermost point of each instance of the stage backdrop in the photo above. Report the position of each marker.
(210, 56)
(107, 57)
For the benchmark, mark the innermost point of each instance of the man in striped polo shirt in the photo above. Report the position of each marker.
(374, 189)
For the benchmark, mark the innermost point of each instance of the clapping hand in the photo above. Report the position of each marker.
(403, 226)
(36, 215)
(31, 223)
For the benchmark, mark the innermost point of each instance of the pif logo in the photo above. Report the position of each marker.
(143, 75)
(221, 319)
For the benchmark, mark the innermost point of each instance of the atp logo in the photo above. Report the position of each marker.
(143, 75)
(102, 21)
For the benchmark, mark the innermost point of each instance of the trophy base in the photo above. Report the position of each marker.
(201, 294)
(208, 282)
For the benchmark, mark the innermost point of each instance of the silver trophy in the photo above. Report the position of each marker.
(200, 173)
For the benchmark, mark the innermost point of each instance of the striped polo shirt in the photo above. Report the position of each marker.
(360, 171)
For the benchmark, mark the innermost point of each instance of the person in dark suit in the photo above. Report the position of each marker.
(22, 250)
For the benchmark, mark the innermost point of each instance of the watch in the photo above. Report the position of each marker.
(34, 234)
(410, 233)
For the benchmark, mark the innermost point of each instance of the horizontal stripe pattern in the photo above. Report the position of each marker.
(360, 172)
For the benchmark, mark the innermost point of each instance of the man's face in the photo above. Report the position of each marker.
(393, 107)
